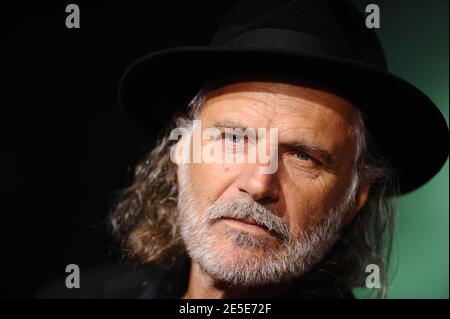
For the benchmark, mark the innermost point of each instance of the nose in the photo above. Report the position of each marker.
(263, 188)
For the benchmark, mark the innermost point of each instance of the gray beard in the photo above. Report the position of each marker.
(256, 260)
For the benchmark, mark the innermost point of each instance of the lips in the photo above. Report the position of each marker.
(252, 222)
(247, 221)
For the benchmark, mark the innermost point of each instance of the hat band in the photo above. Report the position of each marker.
(287, 40)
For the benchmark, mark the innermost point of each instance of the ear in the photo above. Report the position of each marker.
(360, 200)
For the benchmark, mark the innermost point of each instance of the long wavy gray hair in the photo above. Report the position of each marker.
(145, 215)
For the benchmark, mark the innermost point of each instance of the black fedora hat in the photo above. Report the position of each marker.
(323, 41)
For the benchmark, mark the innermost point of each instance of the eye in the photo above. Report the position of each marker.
(232, 138)
(303, 156)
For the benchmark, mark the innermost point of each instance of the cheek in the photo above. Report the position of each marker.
(308, 201)
(212, 182)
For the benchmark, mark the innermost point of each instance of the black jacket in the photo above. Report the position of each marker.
(126, 280)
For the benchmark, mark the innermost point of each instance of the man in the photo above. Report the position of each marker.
(250, 234)
(308, 219)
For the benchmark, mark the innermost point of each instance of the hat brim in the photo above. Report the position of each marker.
(404, 123)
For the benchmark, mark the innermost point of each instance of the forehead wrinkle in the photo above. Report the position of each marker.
(275, 96)
(286, 90)
(244, 108)
(279, 93)
(310, 122)
(227, 97)
(305, 111)
(256, 91)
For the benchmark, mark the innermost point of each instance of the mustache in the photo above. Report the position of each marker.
(241, 208)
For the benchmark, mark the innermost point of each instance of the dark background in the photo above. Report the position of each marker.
(66, 148)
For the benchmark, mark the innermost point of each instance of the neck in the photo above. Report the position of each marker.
(202, 286)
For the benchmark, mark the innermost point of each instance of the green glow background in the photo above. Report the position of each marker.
(415, 38)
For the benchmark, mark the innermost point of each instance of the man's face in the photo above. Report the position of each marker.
(247, 227)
